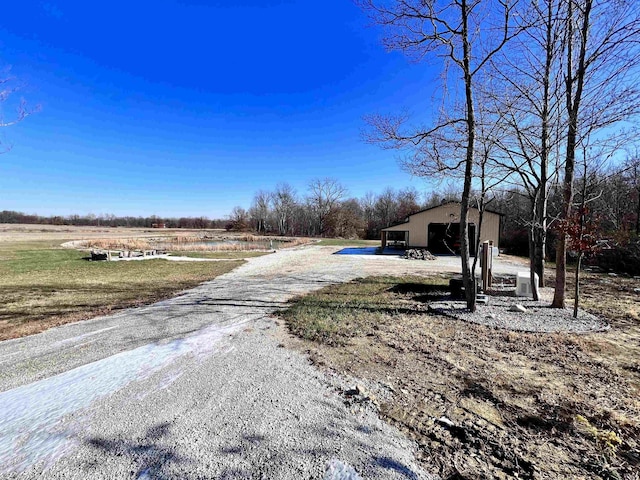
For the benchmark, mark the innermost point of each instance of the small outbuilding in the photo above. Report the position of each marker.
(438, 229)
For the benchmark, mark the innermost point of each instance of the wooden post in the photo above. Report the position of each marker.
(486, 260)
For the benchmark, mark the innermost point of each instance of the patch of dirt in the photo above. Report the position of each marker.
(489, 403)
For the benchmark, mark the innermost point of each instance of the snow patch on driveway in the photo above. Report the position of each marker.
(31, 413)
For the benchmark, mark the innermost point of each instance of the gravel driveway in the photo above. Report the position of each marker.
(197, 387)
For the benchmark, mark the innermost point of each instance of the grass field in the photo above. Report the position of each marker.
(43, 285)
(522, 405)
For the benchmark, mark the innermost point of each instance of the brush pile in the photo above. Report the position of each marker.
(419, 254)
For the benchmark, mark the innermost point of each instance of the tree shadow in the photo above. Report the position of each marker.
(149, 458)
(391, 464)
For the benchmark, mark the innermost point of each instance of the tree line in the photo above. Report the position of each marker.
(325, 209)
(110, 220)
(613, 196)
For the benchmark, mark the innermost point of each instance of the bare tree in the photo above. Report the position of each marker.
(324, 196)
(238, 219)
(8, 87)
(346, 219)
(632, 167)
(259, 211)
(367, 204)
(467, 34)
(386, 207)
(284, 203)
(526, 89)
(601, 88)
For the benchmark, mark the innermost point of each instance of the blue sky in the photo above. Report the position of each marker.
(186, 108)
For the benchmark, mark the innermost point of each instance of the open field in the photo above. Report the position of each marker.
(11, 232)
(43, 285)
(483, 402)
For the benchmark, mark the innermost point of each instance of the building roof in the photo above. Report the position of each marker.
(406, 220)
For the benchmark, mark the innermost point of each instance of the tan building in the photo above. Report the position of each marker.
(438, 229)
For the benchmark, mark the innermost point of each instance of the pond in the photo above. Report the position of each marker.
(242, 244)
(370, 251)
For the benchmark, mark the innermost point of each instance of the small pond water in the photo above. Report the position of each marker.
(259, 245)
(370, 251)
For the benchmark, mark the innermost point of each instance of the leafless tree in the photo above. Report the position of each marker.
(259, 211)
(526, 89)
(632, 170)
(385, 207)
(367, 204)
(238, 219)
(284, 203)
(324, 195)
(466, 34)
(345, 220)
(601, 88)
(8, 88)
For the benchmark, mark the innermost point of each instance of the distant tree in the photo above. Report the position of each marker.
(408, 203)
(367, 206)
(386, 208)
(345, 220)
(259, 211)
(238, 220)
(324, 196)
(284, 203)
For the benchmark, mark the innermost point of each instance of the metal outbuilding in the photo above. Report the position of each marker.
(438, 229)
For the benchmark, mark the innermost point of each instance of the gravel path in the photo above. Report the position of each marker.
(196, 387)
(536, 316)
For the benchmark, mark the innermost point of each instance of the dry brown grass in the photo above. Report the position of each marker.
(193, 243)
(118, 244)
(229, 247)
(516, 399)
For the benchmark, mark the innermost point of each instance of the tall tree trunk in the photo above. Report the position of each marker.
(576, 290)
(574, 84)
(638, 212)
(533, 248)
(540, 233)
(481, 205)
(467, 277)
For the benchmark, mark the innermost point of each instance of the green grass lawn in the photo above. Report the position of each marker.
(43, 285)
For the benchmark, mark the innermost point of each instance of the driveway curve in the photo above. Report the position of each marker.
(198, 387)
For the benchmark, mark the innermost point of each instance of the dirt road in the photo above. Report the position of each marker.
(197, 387)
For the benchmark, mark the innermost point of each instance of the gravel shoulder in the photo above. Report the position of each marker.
(501, 311)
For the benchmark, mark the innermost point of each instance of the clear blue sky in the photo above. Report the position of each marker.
(186, 108)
